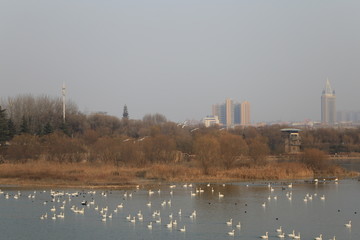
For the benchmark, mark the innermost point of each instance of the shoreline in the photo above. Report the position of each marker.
(106, 176)
(18, 185)
(145, 183)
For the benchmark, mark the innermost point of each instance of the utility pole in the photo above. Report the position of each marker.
(64, 100)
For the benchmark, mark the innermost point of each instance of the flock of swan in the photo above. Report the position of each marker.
(60, 204)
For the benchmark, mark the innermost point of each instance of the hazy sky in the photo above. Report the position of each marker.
(178, 57)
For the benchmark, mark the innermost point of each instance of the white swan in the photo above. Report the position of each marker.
(169, 225)
(279, 230)
(182, 229)
(266, 236)
(319, 237)
(281, 235)
(231, 233)
(149, 225)
(297, 236)
(221, 195)
(229, 223)
(348, 225)
(238, 225)
(292, 234)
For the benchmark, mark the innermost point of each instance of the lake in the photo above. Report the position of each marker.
(306, 208)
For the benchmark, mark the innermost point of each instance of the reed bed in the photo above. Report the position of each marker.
(107, 175)
(270, 172)
(47, 173)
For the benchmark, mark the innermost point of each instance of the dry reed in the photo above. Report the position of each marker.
(106, 175)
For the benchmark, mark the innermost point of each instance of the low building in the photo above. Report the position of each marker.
(211, 121)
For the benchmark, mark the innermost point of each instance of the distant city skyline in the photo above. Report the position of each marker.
(177, 57)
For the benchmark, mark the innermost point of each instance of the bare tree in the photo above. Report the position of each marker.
(315, 159)
(232, 147)
(258, 150)
(207, 149)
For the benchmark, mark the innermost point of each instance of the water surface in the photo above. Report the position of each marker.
(258, 206)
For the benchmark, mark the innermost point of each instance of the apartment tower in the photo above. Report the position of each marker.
(231, 113)
(328, 105)
(245, 113)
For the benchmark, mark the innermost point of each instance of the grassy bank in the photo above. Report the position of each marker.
(42, 173)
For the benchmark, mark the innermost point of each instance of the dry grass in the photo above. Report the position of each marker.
(272, 171)
(44, 173)
(269, 171)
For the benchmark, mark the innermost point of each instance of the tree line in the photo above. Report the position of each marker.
(32, 128)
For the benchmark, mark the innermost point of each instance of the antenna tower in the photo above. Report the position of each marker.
(64, 100)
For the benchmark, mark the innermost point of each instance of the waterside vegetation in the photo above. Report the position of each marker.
(38, 147)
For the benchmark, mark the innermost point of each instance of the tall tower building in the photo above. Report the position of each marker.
(245, 113)
(328, 105)
(232, 113)
(229, 112)
(237, 113)
(225, 112)
(220, 111)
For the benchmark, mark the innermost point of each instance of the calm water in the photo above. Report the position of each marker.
(20, 218)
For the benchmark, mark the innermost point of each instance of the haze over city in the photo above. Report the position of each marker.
(178, 58)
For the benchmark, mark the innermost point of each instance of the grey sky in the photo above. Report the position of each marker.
(179, 57)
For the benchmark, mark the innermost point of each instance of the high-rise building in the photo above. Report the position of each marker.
(245, 113)
(237, 113)
(231, 113)
(219, 111)
(328, 105)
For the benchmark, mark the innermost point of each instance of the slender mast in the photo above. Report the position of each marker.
(63, 100)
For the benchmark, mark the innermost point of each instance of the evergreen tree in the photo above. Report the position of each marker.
(125, 112)
(39, 131)
(24, 127)
(11, 128)
(4, 131)
(48, 129)
(65, 129)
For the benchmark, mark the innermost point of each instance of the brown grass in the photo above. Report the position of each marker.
(269, 171)
(67, 174)
(42, 173)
